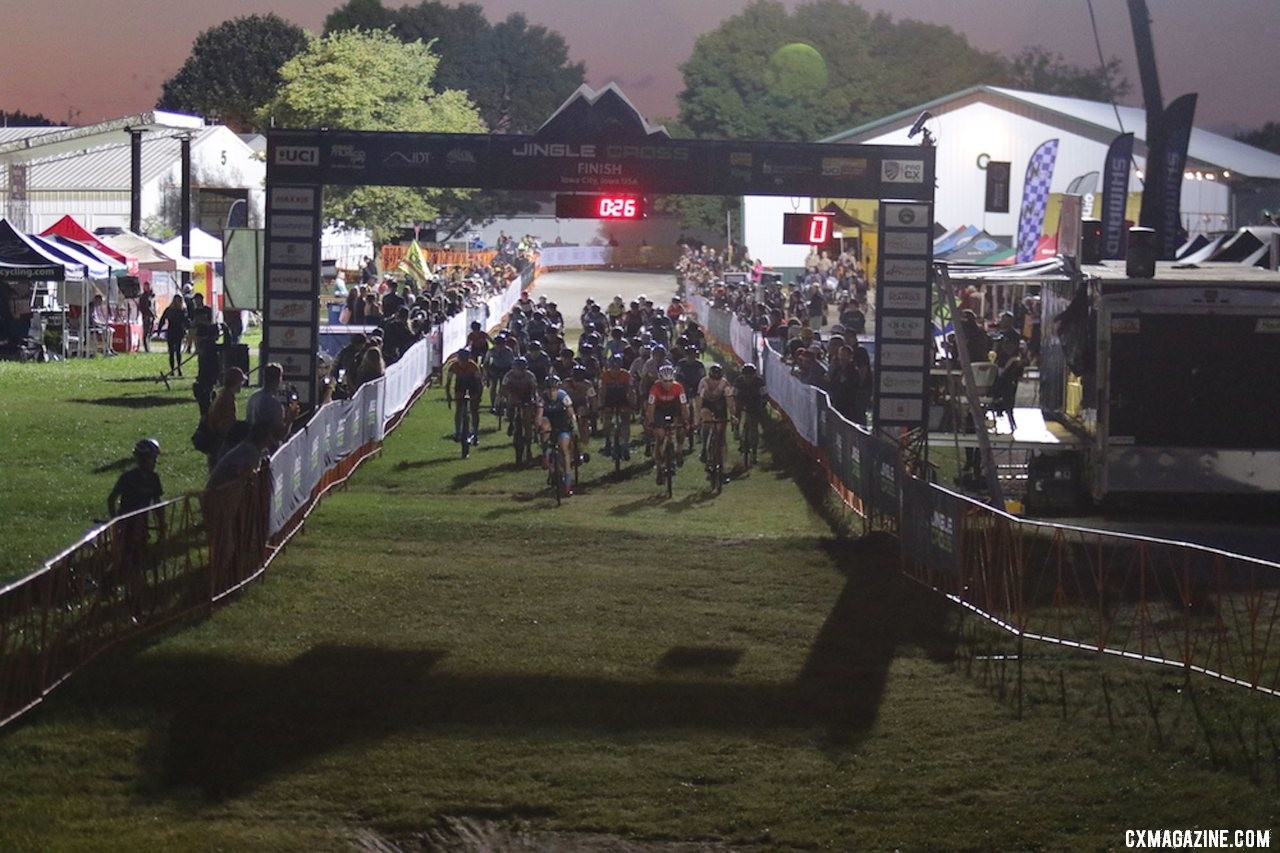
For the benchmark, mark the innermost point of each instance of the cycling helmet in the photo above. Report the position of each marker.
(147, 447)
(716, 369)
(464, 353)
(579, 371)
(566, 351)
(616, 359)
(552, 380)
(749, 369)
(475, 326)
(535, 345)
(666, 372)
(520, 361)
(659, 349)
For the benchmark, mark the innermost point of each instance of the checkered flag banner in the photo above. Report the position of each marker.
(1035, 197)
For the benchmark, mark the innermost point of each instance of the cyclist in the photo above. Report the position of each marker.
(557, 424)
(519, 387)
(617, 343)
(665, 410)
(617, 396)
(463, 378)
(675, 310)
(697, 338)
(714, 393)
(749, 396)
(583, 394)
(616, 308)
(497, 362)
(690, 371)
(539, 361)
(478, 341)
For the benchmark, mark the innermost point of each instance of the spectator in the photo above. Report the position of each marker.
(221, 416)
(371, 366)
(139, 487)
(173, 324)
(147, 309)
(243, 457)
(266, 406)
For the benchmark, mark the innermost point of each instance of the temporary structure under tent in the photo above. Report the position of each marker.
(68, 227)
(204, 246)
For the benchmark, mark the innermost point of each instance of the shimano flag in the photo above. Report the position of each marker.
(1115, 195)
(1035, 197)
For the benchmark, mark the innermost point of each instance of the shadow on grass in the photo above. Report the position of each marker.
(117, 465)
(407, 465)
(709, 660)
(146, 401)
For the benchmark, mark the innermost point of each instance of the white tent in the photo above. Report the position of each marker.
(149, 254)
(204, 246)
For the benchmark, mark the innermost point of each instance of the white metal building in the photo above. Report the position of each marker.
(1008, 125)
(47, 172)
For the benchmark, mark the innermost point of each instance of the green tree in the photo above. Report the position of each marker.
(1266, 137)
(17, 118)
(233, 69)
(359, 80)
(1035, 69)
(516, 74)
(770, 73)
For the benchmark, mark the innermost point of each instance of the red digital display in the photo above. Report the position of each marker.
(806, 229)
(599, 206)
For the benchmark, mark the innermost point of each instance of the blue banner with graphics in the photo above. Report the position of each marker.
(1035, 199)
(1115, 195)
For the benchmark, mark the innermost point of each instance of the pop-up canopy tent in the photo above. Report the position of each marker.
(150, 256)
(204, 246)
(24, 249)
(69, 228)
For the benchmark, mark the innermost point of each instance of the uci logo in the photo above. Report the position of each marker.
(297, 155)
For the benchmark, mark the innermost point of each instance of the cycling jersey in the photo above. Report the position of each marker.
(520, 385)
(749, 392)
(667, 400)
(715, 394)
(466, 374)
(478, 343)
(615, 387)
(556, 409)
(690, 371)
(540, 366)
(580, 392)
(499, 359)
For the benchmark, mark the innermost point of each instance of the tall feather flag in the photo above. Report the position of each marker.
(1035, 198)
(1115, 194)
(415, 263)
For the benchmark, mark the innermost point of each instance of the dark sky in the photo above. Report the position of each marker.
(95, 59)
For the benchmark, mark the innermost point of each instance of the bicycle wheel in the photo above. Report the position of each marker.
(557, 473)
(715, 460)
(518, 437)
(748, 440)
(464, 426)
(615, 442)
(669, 460)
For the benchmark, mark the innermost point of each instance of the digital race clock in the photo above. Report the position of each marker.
(599, 206)
(812, 229)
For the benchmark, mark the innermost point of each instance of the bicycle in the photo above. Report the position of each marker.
(462, 426)
(618, 444)
(521, 434)
(750, 433)
(555, 470)
(666, 459)
(714, 456)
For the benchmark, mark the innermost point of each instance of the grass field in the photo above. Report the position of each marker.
(445, 660)
(69, 431)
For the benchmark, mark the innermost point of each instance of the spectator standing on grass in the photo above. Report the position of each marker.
(140, 486)
(147, 309)
(222, 413)
(265, 405)
(173, 323)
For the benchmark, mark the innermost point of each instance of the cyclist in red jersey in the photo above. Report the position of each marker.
(665, 409)
(478, 341)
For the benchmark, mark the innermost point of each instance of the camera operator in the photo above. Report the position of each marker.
(273, 404)
(208, 360)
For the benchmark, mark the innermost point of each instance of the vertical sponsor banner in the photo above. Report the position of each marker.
(904, 331)
(946, 521)
(913, 530)
(287, 494)
(315, 462)
(883, 474)
(371, 394)
(291, 274)
(1035, 198)
(1175, 134)
(1115, 194)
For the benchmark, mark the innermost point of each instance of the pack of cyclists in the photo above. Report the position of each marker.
(631, 361)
